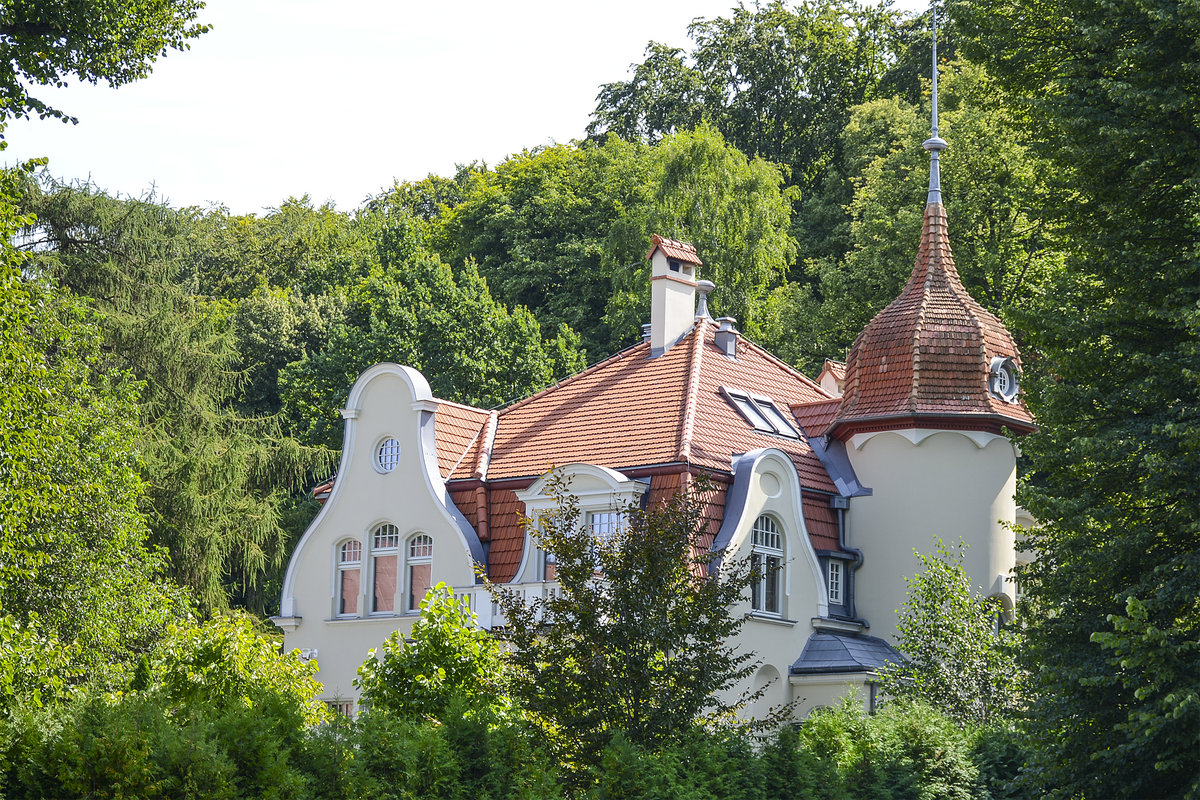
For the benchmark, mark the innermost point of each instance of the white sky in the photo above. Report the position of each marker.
(287, 97)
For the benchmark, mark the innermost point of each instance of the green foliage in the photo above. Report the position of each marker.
(412, 310)
(448, 664)
(80, 593)
(635, 639)
(1111, 91)
(1007, 249)
(959, 658)
(907, 750)
(215, 481)
(116, 41)
(564, 230)
(225, 663)
(777, 82)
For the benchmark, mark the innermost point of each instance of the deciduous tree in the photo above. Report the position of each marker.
(116, 41)
(1111, 89)
(639, 638)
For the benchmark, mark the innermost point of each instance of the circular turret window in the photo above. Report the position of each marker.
(1003, 379)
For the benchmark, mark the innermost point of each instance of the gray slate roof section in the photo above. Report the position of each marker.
(830, 651)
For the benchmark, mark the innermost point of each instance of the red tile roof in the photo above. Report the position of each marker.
(924, 360)
(458, 429)
(815, 417)
(680, 251)
(633, 411)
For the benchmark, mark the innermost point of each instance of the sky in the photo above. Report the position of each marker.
(337, 100)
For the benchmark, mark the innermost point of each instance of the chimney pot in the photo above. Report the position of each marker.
(726, 337)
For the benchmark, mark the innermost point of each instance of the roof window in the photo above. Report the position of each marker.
(761, 412)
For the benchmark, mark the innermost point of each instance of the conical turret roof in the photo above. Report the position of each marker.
(930, 359)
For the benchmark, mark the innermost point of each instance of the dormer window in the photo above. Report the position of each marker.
(761, 412)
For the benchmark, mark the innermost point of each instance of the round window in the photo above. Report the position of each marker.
(387, 455)
(1003, 378)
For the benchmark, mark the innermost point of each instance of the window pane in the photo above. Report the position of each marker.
(418, 585)
(348, 591)
(420, 547)
(751, 412)
(604, 523)
(778, 421)
(350, 552)
(387, 537)
(756, 586)
(384, 581)
(388, 455)
(835, 582)
(771, 593)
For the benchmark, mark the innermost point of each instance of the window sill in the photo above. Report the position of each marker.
(773, 619)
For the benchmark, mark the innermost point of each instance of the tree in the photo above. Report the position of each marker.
(778, 81)
(1111, 90)
(215, 481)
(412, 310)
(638, 638)
(116, 41)
(1007, 247)
(447, 665)
(81, 594)
(959, 657)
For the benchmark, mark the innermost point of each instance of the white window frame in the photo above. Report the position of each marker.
(767, 553)
(342, 566)
(835, 581)
(385, 543)
(412, 604)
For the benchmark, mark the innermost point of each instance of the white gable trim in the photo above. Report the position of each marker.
(740, 515)
(426, 405)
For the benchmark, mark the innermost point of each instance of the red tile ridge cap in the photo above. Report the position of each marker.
(679, 250)
(617, 356)
(441, 402)
(484, 457)
(687, 425)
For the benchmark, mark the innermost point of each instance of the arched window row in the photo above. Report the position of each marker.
(384, 572)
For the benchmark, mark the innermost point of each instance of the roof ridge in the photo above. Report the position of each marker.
(617, 356)
(456, 404)
(687, 426)
(483, 458)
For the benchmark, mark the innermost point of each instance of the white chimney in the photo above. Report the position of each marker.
(672, 292)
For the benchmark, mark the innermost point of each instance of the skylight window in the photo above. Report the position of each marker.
(761, 412)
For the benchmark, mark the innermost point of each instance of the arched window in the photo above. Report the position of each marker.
(385, 550)
(349, 577)
(420, 568)
(767, 560)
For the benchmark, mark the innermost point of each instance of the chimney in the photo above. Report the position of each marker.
(672, 292)
(726, 337)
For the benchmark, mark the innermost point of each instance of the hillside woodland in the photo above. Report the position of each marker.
(172, 378)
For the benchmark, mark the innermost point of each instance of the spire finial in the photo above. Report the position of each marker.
(935, 144)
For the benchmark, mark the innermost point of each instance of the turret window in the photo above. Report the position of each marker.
(766, 559)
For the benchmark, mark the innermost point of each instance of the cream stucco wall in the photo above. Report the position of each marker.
(929, 484)
(765, 482)
(387, 401)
